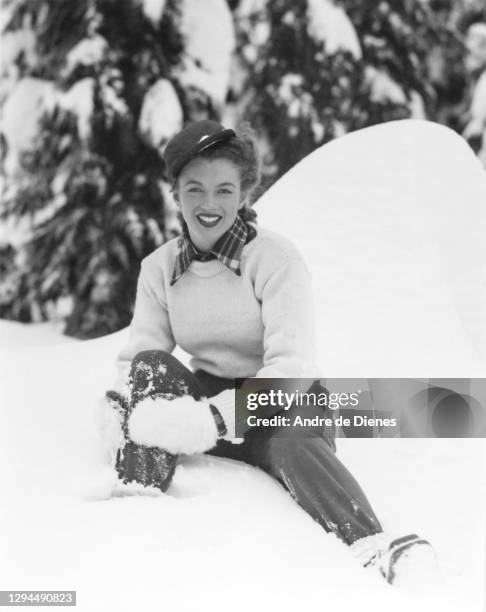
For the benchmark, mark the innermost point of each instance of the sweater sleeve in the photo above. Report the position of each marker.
(288, 320)
(289, 332)
(150, 326)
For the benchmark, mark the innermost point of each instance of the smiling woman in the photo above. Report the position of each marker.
(209, 194)
(238, 298)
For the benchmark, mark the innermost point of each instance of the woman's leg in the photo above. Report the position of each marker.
(304, 461)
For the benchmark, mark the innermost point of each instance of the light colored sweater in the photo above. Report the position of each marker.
(258, 324)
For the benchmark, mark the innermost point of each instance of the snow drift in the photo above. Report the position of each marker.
(391, 220)
(227, 536)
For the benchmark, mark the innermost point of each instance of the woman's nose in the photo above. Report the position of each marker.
(207, 201)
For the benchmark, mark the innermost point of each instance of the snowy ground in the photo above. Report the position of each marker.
(393, 231)
(225, 536)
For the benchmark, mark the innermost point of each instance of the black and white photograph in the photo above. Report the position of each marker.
(243, 305)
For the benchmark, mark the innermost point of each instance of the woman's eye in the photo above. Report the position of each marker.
(225, 191)
(194, 190)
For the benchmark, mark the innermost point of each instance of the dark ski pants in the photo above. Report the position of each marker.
(305, 464)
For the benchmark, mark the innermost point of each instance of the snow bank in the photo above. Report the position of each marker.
(400, 262)
(13, 334)
(396, 259)
(222, 525)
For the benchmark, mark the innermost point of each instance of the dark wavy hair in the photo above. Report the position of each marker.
(242, 151)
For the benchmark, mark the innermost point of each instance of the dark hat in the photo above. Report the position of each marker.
(193, 139)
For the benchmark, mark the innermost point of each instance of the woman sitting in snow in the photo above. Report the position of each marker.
(237, 298)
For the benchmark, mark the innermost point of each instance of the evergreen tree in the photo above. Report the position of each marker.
(92, 90)
(312, 70)
(113, 83)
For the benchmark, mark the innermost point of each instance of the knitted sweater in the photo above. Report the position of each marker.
(258, 324)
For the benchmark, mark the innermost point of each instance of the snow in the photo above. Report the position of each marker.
(383, 87)
(478, 104)
(251, 19)
(397, 294)
(219, 518)
(79, 100)
(290, 91)
(13, 334)
(154, 9)
(400, 207)
(476, 47)
(87, 52)
(248, 8)
(417, 106)
(15, 231)
(261, 33)
(477, 123)
(475, 62)
(28, 101)
(14, 44)
(210, 40)
(161, 116)
(329, 24)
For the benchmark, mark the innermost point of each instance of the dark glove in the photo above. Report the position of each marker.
(146, 465)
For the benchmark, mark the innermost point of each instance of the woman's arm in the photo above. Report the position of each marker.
(289, 324)
(289, 334)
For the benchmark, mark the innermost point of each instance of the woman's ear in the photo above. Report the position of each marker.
(175, 195)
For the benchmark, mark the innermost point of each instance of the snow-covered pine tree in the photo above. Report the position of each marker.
(312, 70)
(93, 91)
(457, 69)
(475, 63)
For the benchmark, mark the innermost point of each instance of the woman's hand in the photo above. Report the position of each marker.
(181, 425)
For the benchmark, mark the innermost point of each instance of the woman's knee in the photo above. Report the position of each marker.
(149, 355)
(156, 361)
(155, 371)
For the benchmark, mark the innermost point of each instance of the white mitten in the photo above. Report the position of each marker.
(180, 425)
(108, 421)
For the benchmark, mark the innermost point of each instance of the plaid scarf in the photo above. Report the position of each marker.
(227, 249)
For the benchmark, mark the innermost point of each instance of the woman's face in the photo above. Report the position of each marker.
(208, 192)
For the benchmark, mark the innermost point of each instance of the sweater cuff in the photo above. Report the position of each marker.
(225, 403)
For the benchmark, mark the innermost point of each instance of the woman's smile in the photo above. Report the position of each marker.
(208, 220)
